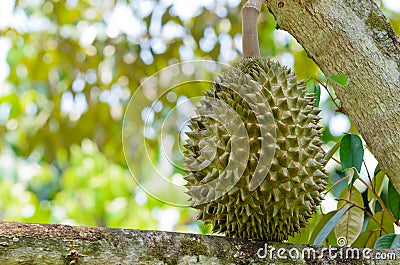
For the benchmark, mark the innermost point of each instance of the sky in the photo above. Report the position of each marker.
(393, 5)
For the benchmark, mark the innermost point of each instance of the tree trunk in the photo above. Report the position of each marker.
(22, 243)
(353, 37)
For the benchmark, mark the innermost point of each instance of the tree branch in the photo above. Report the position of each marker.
(34, 244)
(354, 38)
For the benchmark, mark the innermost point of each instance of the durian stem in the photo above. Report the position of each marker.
(250, 12)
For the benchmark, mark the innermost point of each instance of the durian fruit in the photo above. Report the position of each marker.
(254, 158)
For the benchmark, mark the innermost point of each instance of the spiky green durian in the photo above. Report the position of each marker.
(254, 156)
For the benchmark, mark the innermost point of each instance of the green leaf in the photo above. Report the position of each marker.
(317, 91)
(328, 227)
(365, 240)
(377, 169)
(310, 85)
(377, 183)
(351, 223)
(353, 175)
(301, 237)
(313, 88)
(381, 224)
(340, 79)
(351, 152)
(394, 200)
(383, 220)
(388, 241)
(320, 224)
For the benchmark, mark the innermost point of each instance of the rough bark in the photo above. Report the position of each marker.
(353, 37)
(22, 243)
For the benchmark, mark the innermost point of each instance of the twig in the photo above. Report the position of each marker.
(337, 161)
(250, 12)
(329, 93)
(335, 184)
(369, 176)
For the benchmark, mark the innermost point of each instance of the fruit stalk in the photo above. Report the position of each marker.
(250, 12)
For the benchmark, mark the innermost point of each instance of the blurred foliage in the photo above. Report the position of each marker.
(71, 69)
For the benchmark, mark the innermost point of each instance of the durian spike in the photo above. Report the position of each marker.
(250, 12)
